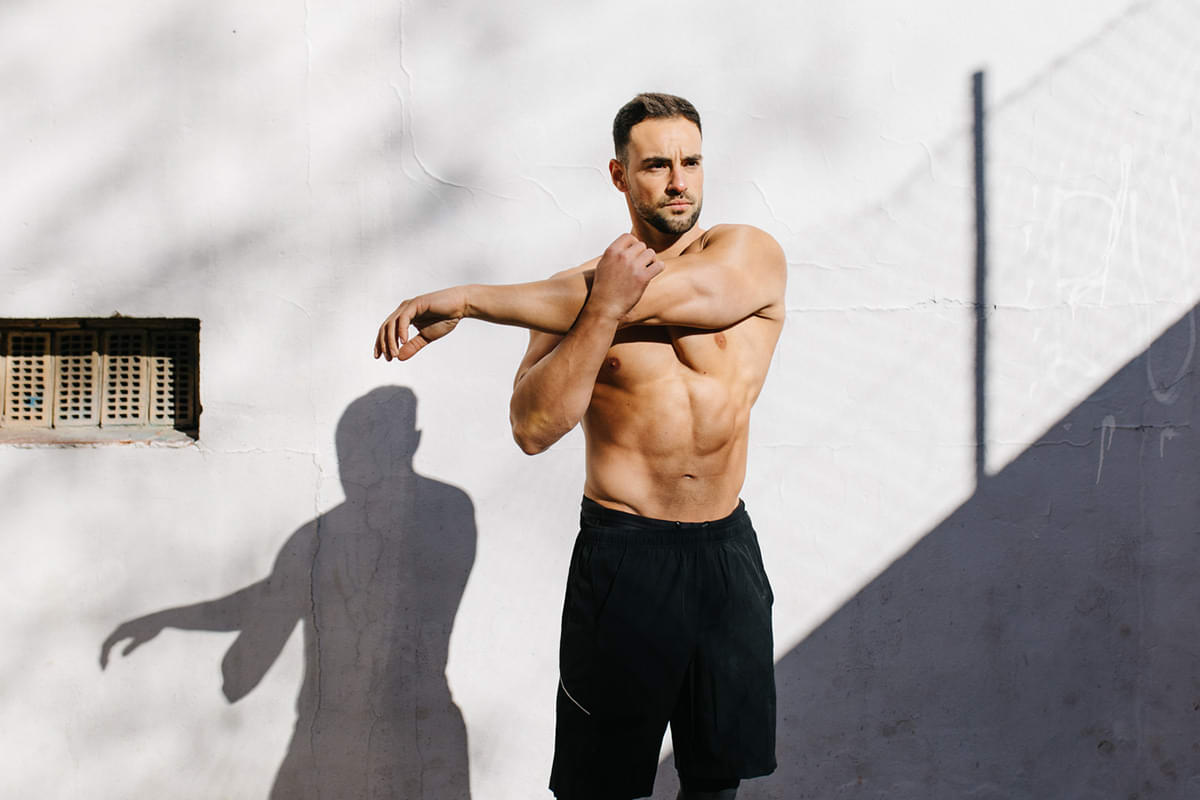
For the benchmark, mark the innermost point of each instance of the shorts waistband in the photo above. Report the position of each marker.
(599, 523)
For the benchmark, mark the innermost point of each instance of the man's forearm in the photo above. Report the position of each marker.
(550, 306)
(551, 398)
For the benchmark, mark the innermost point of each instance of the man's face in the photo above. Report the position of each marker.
(662, 174)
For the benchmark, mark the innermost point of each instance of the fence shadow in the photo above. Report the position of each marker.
(375, 583)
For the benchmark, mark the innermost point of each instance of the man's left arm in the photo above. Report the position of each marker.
(740, 272)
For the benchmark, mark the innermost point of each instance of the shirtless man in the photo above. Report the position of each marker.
(659, 347)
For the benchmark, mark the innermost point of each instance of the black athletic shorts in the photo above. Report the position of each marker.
(663, 622)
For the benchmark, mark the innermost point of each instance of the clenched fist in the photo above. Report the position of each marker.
(622, 275)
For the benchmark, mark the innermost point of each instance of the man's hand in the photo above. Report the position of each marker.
(622, 275)
(433, 315)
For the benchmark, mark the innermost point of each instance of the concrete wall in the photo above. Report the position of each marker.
(357, 576)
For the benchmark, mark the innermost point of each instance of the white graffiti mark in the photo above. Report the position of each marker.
(1081, 281)
(1107, 425)
(1168, 393)
(1168, 433)
(1078, 287)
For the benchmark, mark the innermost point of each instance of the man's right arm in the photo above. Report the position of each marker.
(554, 383)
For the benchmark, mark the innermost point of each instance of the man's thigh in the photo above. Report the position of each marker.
(623, 656)
(723, 726)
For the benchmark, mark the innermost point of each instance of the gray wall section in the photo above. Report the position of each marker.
(1042, 642)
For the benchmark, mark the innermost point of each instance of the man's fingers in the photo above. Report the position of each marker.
(411, 347)
(383, 339)
(389, 346)
(397, 330)
(380, 348)
(393, 339)
(624, 242)
(403, 320)
(392, 333)
(627, 245)
(408, 311)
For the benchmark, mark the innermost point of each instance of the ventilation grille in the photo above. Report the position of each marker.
(125, 378)
(88, 374)
(76, 379)
(27, 380)
(172, 378)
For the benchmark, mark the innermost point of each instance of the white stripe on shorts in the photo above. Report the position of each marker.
(572, 699)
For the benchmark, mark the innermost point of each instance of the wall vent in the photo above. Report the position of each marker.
(95, 380)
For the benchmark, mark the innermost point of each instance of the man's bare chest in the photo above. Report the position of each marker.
(648, 354)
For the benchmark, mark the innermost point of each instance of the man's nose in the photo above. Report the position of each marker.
(677, 184)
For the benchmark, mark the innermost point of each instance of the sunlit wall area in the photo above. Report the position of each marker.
(350, 585)
(1094, 222)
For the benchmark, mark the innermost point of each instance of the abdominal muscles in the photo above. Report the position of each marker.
(665, 440)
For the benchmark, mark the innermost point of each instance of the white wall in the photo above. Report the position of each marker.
(288, 172)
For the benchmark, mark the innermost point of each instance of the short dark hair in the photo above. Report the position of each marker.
(649, 105)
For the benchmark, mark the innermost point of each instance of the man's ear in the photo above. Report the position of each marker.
(616, 171)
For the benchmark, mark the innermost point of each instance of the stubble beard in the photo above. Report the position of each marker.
(662, 220)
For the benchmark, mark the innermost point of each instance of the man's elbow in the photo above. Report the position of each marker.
(529, 446)
(536, 429)
(527, 438)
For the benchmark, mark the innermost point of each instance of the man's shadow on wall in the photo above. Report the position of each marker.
(376, 583)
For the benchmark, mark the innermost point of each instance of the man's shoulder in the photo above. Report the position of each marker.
(746, 247)
(739, 234)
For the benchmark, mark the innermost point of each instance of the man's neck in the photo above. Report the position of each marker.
(666, 245)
